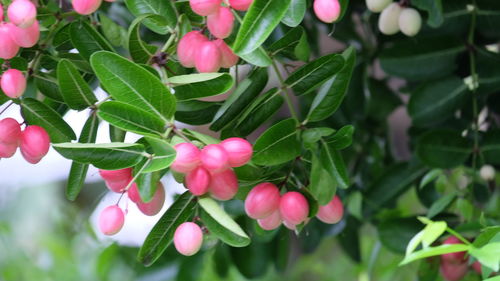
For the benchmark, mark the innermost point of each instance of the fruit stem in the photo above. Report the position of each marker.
(285, 90)
(180, 134)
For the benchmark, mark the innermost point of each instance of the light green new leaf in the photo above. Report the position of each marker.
(434, 251)
(163, 156)
(432, 231)
(488, 255)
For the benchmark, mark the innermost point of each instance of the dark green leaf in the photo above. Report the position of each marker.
(194, 86)
(443, 149)
(295, 13)
(490, 147)
(334, 164)
(87, 40)
(115, 33)
(194, 112)
(434, 9)
(140, 51)
(311, 136)
(75, 91)
(396, 233)
(47, 85)
(441, 204)
(323, 187)
(293, 44)
(342, 138)
(147, 184)
(165, 9)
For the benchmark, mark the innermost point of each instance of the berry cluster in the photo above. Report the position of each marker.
(87, 7)
(34, 141)
(395, 18)
(327, 10)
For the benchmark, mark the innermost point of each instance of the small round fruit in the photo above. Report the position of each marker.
(453, 271)
(187, 158)
(262, 201)
(35, 143)
(111, 220)
(154, 206)
(188, 238)
(9, 47)
(220, 23)
(133, 193)
(240, 5)
(10, 131)
(377, 6)
(205, 7)
(25, 37)
(22, 13)
(197, 181)
(239, 151)
(289, 225)
(208, 57)
(487, 172)
(388, 22)
(271, 222)
(410, 21)
(457, 257)
(224, 185)
(116, 175)
(332, 212)
(86, 7)
(214, 158)
(327, 11)
(13, 83)
(187, 47)
(294, 207)
(228, 57)
(7, 150)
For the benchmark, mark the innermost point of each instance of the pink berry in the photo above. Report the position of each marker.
(238, 150)
(133, 193)
(240, 5)
(1, 12)
(477, 267)
(457, 257)
(25, 37)
(214, 158)
(327, 10)
(9, 48)
(116, 175)
(205, 7)
(86, 7)
(197, 181)
(289, 225)
(208, 57)
(111, 220)
(188, 238)
(187, 159)
(154, 206)
(187, 47)
(22, 13)
(10, 131)
(332, 212)
(271, 222)
(35, 143)
(7, 150)
(294, 207)
(13, 83)
(453, 271)
(224, 185)
(262, 201)
(220, 23)
(228, 57)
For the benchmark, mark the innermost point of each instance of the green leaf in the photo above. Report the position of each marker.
(332, 93)
(430, 177)
(87, 40)
(497, 278)
(163, 156)
(332, 161)
(130, 118)
(194, 86)
(293, 44)
(258, 23)
(219, 223)
(342, 138)
(313, 135)
(107, 156)
(257, 57)
(441, 204)
(74, 89)
(37, 113)
(47, 85)
(115, 33)
(162, 233)
(195, 112)
(434, 9)
(244, 94)
(434, 251)
(130, 83)
(277, 145)
(488, 255)
(295, 13)
(436, 101)
(490, 146)
(78, 171)
(443, 149)
(396, 233)
(165, 9)
(432, 231)
(147, 184)
(140, 51)
(323, 187)
(486, 235)
(313, 74)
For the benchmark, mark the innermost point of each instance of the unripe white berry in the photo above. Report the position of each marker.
(410, 21)
(487, 172)
(388, 22)
(377, 6)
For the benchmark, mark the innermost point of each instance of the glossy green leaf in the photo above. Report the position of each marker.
(163, 155)
(332, 93)
(74, 89)
(295, 13)
(342, 138)
(194, 112)
(443, 149)
(147, 184)
(162, 233)
(37, 113)
(130, 118)
(490, 147)
(488, 255)
(432, 231)
(194, 86)
(257, 57)
(313, 74)
(334, 164)
(47, 85)
(220, 224)
(441, 204)
(78, 171)
(130, 83)
(258, 23)
(435, 10)
(278, 144)
(313, 135)
(107, 156)
(396, 233)
(87, 40)
(293, 44)
(434, 251)
(115, 33)
(323, 187)
(140, 51)
(165, 9)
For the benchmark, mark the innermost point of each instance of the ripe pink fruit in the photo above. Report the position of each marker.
(331, 212)
(116, 175)
(10, 131)
(86, 7)
(111, 220)
(477, 267)
(154, 206)
(271, 222)
(262, 201)
(22, 13)
(187, 159)
(294, 207)
(197, 181)
(208, 57)
(289, 225)
(13, 83)
(35, 143)
(240, 5)
(1, 12)
(453, 271)
(133, 193)
(220, 23)
(9, 48)
(224, 185)
(188, 238)
(187, 47)
(7, 150)
(214, 158)
(228, 57)
(239, 151)
(327, 10)
(205, 7)
(457, 257)
(25, 37)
